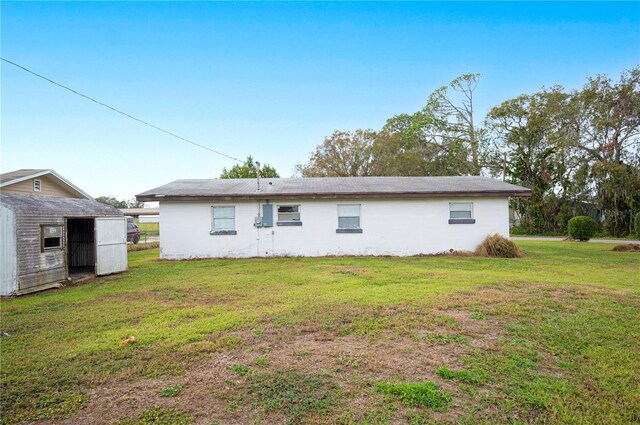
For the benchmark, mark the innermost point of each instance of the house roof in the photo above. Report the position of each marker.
(17, 176)
(333, 187)
(54, 205)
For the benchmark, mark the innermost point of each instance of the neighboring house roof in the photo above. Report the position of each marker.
(140, 211)
(333, 187)
(54, 205)
(17, 176)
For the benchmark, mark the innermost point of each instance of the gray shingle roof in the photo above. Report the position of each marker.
(12, 175)
(58, 206)
(333, 187)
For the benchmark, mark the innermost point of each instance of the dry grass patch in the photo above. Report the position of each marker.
(630, 247)
(143, 246)
(498, 246)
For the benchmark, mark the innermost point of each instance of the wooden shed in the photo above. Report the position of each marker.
(46, 240)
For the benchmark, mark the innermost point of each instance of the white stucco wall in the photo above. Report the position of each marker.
(390, 227)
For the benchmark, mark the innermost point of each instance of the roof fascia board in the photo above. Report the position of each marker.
(259, 196)
(71, 185)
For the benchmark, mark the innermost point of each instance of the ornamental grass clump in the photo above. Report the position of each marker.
(582, 228)
(499, 247)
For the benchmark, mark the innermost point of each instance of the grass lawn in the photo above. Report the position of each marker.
(550, 338)
(151, 229)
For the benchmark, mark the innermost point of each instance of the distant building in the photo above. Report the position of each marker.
(143, 215)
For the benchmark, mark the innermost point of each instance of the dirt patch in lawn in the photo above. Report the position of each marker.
(349, 348)
(216, 388)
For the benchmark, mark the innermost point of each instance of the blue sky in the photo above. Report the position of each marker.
(268, 79)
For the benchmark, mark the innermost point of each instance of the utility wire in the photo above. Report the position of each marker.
(120, 112)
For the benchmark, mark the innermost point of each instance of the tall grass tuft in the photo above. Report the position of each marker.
(498, 246)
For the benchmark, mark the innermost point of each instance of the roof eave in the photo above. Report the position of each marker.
(364, 195)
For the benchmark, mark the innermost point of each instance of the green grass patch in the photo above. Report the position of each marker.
(424, 394)
(464, 376)
(159, 416)
(172, 390)
(262, 362)
(443, 339)
(293, 393)
(241, 369)
(152, 229)
(477, 315)
(49, 405)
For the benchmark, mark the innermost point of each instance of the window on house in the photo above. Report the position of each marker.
(461, 213)
(37, 185)
(51, 237)
(223, 221)
(349, 216)
(289, 215)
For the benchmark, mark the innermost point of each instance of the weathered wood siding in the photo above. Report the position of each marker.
(49, 187)
(8, 260)
(36, 268)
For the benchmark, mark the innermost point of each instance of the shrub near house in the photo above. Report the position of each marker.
(582, 228)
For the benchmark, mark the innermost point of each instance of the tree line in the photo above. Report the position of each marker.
(116, 203)
(578, 150)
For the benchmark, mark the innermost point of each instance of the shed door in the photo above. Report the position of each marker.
(111, 245)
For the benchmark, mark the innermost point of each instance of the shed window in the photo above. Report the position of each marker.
(349, 216)
(289, 214)
(223, 219)
(51, 237)
(461, 213)
(37, 185)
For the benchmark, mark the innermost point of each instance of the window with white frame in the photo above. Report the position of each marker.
(223, 219)
(288, 213)
(51, 237)
(349, 216)
(461, 212)
(37, 185)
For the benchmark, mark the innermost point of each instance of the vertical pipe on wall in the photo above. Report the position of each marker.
(258, 233)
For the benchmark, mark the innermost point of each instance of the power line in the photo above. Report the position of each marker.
(119, 111)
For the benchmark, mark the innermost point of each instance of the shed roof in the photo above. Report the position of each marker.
(53, 205)
(333, 187)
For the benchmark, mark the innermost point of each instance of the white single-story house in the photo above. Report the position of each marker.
(51, 231)
(329, 216)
